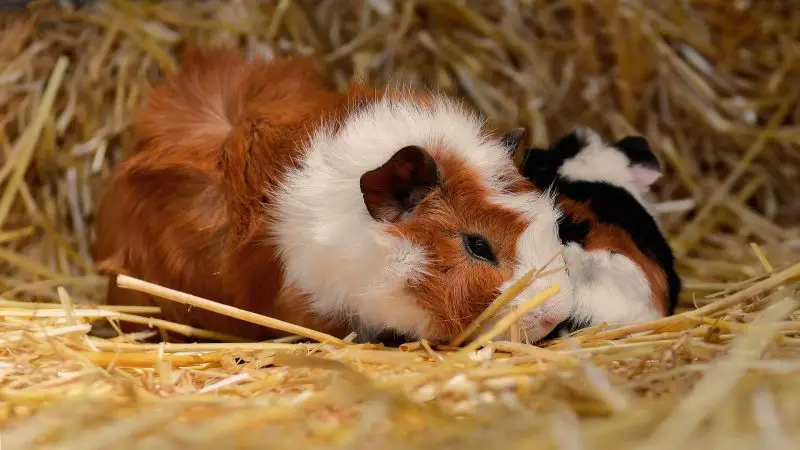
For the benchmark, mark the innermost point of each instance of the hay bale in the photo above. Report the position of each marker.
(710, 84)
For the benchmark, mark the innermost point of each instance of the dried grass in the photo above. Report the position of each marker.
(712, 84)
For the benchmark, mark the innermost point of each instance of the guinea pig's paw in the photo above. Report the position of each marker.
(601, 258)
(584, 267)
(573, 252)
(578, 261)
(576, 257)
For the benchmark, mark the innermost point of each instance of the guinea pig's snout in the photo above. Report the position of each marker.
(542, 321)
(540, 324)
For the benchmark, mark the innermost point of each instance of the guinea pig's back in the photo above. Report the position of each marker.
(602, 217)
(164, 226)
(184, 210)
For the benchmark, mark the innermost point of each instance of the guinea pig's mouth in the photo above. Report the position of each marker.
(388, 337)
(567, 326)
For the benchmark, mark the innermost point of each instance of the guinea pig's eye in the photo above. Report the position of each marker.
(478, 247)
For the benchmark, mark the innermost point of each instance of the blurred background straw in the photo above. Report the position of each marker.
(711, 83)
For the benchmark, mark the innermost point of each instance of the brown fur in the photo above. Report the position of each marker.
(187, 210)
(183, 211)
(606, 237)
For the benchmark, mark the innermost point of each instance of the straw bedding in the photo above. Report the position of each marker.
(712, 85)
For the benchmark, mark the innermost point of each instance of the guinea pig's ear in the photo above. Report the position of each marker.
(394, 189)
(512, 139)
(645, 165)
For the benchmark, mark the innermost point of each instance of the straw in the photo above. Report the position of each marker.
(712, 86)
(127, 282)
(502, 300)
(506, 322)
(27, 142)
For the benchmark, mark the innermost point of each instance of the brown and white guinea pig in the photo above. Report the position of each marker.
(619, 263)
(256, 185)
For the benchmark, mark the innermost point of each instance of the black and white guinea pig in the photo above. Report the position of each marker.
(620, 265)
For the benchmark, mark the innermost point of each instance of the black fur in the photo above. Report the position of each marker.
(638, 151)
(612, 204)
(391, 338)
(570, 230)
(615, 206)
(541, 166)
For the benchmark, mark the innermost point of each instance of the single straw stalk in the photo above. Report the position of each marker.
(181, 329)
(130, 309)
(127, 282)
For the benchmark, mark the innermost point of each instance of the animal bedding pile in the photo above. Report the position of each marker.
(711, 84)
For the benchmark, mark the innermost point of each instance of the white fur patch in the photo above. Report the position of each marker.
(598, 161)
(608, 288)
(537, 246)
(331, 247)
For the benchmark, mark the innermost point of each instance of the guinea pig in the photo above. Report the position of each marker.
(254, 184)
(619, 263)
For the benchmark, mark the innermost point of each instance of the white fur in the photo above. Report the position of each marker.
(598, 161)
(608, 288)
(536, 246)
(331, 247)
